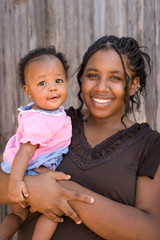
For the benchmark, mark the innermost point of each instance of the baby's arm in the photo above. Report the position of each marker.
(17, 188)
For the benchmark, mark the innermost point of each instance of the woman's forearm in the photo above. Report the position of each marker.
(113, 220)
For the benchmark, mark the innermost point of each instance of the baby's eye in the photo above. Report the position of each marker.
(59, 80)
(42, 83)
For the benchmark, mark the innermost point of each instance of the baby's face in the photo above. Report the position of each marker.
(46, 82)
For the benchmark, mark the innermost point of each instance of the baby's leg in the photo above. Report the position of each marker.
(44, 229)
(13, 222)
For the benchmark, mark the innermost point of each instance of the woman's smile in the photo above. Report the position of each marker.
(98, 100)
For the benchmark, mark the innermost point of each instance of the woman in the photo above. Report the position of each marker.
(111, 158)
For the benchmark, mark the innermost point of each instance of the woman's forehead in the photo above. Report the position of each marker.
(109, 62)
(106, 58)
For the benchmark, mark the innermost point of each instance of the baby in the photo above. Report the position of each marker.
(43, 134)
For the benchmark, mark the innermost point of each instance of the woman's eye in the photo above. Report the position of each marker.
(115, 78)
(59, 80)
(42, 83)
(92, 75)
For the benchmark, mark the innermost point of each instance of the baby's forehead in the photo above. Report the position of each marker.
(41, 58)
(42, 65)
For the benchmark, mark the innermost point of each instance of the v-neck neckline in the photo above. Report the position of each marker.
(86, 156)
(98, 146)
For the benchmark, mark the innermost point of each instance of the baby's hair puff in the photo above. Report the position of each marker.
(38, 52)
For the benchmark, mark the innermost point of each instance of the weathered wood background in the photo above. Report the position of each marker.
(72, 25)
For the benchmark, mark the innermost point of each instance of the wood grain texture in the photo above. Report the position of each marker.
(72, 25)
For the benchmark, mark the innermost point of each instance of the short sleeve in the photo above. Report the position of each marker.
(34, 129)
(149, 165)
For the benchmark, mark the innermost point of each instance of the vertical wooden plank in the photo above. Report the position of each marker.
(72, 25)
(157, 25)
(2, 74)
(135, 30)
(149, 41)
(36, 23)
(135, 19)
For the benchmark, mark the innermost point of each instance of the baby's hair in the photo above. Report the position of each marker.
(38, 52)
(136, 62)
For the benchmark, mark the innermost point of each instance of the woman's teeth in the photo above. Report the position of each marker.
(101, 100)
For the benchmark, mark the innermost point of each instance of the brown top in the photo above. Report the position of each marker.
(116, 163)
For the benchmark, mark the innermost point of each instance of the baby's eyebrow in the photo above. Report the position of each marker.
(44, 76)
(40, 77)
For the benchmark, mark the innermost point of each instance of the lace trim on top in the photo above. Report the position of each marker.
(86, 157)
(57, 112)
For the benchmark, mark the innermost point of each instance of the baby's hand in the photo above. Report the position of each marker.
(17, 191)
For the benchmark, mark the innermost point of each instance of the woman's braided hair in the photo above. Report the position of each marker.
(38, 52)
(136, 62)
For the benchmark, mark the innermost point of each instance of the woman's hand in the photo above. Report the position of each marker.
(48, 197)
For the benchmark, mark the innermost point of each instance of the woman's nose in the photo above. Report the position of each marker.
(103, 84)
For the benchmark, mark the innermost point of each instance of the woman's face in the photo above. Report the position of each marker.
(103, 84)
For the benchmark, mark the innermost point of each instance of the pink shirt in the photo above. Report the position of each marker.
(48, 129)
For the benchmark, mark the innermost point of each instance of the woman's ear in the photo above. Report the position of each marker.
(134, 85)
(27, 91)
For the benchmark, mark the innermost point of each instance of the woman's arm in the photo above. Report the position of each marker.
(47, 196)
(105, 217)
(113, 220)
(4, 180)
(45, 193)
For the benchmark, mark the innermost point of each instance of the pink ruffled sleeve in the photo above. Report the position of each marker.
(34, 128)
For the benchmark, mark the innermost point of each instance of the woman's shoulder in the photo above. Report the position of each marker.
(146, 133)
(150, 146)
(152, 132)
(150, 150)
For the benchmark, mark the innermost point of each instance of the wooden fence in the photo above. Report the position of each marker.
(72, 25)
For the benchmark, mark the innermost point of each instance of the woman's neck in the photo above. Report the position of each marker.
(98, 129)
(110, 123)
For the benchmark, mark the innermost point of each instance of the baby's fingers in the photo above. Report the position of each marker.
(54, 174)
(17, 199)
(25, 191)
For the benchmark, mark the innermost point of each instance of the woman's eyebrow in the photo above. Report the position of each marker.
(60, 74)
(91, 69)
(111, 72)
(117, 72)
